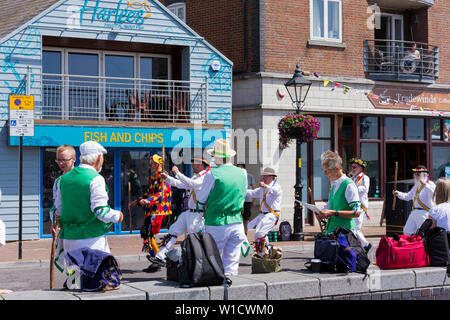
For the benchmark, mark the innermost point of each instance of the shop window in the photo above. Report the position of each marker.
(369, 128)
(179, 9)
(370, 154)
(325, 127)
(50, 171)
(447, 130)
(394, 128)
(347, 128)
(321, 182)
(416, 129)
(436, 129)
(326, 20)
(441, 160)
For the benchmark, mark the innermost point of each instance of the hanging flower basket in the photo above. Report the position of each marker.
(297, 126)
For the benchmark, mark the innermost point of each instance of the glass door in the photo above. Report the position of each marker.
(83, 95)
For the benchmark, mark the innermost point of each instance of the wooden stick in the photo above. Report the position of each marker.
(52, 265)
(395, 185)
(129, 207)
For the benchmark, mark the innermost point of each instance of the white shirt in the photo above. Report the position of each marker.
(441, 213)
(193, 184)
(273, 196)
(99, 198)
(363, 188)
(351, 192)
(208, 184)
(425, 195)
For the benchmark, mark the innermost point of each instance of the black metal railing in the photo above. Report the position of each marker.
(401, 60)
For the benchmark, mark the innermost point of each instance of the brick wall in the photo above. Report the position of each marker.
(438, 17)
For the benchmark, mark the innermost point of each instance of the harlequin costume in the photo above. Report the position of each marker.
(422, 196)
(190, 220)
(362, 182)
(159, 197)
(269, 211)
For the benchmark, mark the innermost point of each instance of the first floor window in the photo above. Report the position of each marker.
(326, 19)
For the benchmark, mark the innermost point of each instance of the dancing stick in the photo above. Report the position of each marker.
(395, 185)
(129, 206)
(52, 265)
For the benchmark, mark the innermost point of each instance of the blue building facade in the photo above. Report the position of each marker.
(128, 74)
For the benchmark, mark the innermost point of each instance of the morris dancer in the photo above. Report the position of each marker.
(343, 202)
(191, 220)
(269, 194)
(82, 203)
(224, 189)
(362, 181)
(156, 202)
(422, 196)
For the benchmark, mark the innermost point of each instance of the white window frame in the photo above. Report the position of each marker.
(325, 22)
(174, 7)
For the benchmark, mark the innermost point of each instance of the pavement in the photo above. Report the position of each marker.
(294, 282)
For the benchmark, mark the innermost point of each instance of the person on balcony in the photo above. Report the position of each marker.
(270, 195)
(343, 202)
(362, 182)
(191, 220)
(422, 195)
(81, 203)
(157, 205)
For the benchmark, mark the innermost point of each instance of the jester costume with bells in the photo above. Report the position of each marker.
(157, 206)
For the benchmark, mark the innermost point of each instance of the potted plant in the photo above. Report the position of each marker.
(297, 126)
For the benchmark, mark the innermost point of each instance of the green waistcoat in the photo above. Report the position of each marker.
(226, 199)
(337, 201)
(77, 221)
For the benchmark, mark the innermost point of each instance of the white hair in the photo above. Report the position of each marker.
(89, 158)
(331, 160)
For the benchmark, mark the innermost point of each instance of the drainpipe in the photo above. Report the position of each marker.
(244, 27)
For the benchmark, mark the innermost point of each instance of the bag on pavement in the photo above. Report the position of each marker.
(401, 252)
(437, 247)
(362, 259)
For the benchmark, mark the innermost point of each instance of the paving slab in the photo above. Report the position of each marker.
(40, 294)
(383, 280)
(287, 285)
(124, 293)
(241, 289)
(170, 290)
(430, 276)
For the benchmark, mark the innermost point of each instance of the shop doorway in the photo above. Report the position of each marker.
(408, 155)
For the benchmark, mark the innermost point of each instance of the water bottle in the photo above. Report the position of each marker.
(377, 192)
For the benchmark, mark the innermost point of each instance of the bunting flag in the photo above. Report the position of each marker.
(381, 99)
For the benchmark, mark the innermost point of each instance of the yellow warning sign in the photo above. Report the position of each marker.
(21, 102)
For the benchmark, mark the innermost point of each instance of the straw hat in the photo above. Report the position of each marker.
(268, 172)
(221, 149)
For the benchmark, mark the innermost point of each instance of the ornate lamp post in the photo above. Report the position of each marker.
(298, 88)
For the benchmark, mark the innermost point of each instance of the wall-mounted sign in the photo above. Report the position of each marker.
(215, 65)
(428, 99)
(124, 15)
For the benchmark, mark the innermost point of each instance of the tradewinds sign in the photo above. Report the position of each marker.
(123, 15)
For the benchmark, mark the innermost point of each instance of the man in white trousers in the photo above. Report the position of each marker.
(224, 190)
(362, 181)
(422, 196)
(269, 194)
(191, 220)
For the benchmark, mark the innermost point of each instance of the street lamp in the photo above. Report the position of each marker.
(298, 88)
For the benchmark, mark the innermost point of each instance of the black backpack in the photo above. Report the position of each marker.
(285, 231)
(201, 264)
(437, 247)
(362, 260)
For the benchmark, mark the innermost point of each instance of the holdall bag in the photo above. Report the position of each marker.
(326, 249)
(346, 259)
(401, 252)
(437, 248)
(362, 259)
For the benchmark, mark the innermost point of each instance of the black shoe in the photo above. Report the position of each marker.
(156, 260)
(368, 247)
(152, 268)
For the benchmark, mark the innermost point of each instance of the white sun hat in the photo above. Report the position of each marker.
(91, 147)
(222, 149)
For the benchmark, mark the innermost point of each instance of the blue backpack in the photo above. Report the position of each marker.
(346, 257)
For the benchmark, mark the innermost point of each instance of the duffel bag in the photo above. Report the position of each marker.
(401, 252)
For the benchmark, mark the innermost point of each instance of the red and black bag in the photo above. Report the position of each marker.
(401, 252)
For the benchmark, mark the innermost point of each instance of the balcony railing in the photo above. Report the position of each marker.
(396, 60)
(69, 97)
